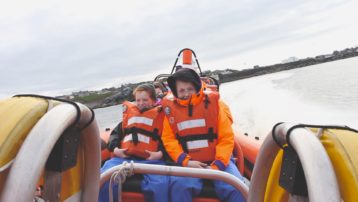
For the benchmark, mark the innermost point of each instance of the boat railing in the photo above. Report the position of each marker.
(30, 161)
(187, 54)
(128, 169)
(318, 170)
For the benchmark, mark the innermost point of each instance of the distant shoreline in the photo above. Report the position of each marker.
(257, 71)
(114, 96)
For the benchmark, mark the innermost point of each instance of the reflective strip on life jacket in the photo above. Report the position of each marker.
(141, 138)
(138, 119)
(196, 144)
(196, 123)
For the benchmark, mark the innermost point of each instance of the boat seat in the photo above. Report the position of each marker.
(17, 117)
(341, 148)
(26, 124)
(132, 184)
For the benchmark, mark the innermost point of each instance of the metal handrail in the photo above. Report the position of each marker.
(176, 60)
(179, 171)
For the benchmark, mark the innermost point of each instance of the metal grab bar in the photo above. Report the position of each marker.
(178, 171)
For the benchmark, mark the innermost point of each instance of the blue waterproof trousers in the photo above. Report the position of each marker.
(154, 187)
(183, 189)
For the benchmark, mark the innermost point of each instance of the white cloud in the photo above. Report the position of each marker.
(48, 46)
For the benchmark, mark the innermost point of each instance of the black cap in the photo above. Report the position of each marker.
(186, 75)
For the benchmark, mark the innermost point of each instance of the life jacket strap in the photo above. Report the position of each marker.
(134, 131)
(190, 110)
(210, 136)
(206, 101)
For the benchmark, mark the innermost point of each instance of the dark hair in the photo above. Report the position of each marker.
(149, 88)
(158, 84)
(186, 75)
(178, 67)
(103, 144)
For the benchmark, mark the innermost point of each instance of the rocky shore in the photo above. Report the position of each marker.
(114, 96)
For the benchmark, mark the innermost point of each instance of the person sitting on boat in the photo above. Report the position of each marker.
(178, 67)
(160, 91)
(197, 133)
(38, 194)
(137, 138)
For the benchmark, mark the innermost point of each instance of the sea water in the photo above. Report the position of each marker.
(326, 93)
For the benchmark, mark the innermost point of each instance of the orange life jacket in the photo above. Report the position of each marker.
(142, 130)
(196, 127)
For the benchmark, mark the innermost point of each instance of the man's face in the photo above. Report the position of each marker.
(184, 89)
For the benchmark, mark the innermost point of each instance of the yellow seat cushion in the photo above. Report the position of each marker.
(17, 117)
(342, 149)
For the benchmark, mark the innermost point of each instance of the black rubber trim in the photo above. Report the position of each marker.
(78, 114)
(274, 134)
(90, 121)
(289, 131)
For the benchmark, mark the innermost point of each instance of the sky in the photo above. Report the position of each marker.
(58, 47)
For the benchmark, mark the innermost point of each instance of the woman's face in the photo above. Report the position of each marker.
(184, 89)
(143, 100)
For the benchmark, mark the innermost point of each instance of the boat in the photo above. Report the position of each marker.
(56, 144)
